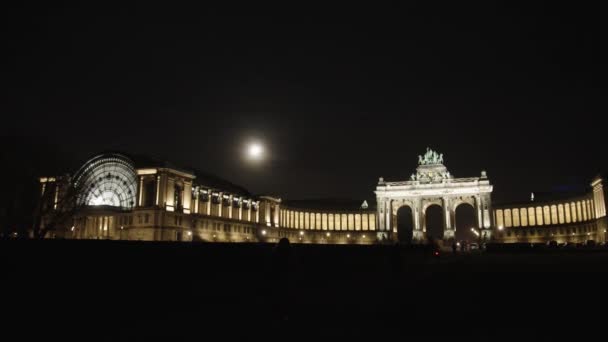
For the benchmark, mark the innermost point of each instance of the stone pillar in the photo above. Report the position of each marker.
(277, 215)
(448, 229)
(221, 204)
(486, 231)
(196, 200)
(140, 191)
(157, 189)
(379, 213)
(387, 216)
(240, 209)
(478, 219)
(231, 207)
(418, 233)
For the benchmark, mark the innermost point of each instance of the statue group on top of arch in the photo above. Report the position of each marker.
(430, 158)
(431, 168)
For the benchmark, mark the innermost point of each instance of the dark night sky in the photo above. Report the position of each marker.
(341, 96)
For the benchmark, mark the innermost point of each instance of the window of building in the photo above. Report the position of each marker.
(516, 218)
(560, 213)
(547, 215)
(508, 221)
(539, 216)
(149, 193)
(322, 220)
(531, 217)
(178, 198)
(524, 217)
(584, 205)
(500, 222)
(554, 218)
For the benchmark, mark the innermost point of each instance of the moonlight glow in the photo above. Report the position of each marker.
(255, 151)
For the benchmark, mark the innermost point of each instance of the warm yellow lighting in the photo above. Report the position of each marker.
(301, 233)
(364, 236)
(142, 172)
(263, 232)
(72, 228)
(328, 234)
(501, 227)
(189, 233)
(348, 236)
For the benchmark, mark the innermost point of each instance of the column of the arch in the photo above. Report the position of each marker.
(196, 200)
(491, 217)
(478, 208)
(453, 216)
(418, 234)
(448, 228)
(394, 234)
(380, 215)
(388, 212)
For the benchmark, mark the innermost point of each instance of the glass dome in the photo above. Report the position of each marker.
(107, 180)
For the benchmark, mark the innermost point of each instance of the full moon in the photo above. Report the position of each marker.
(255, 151)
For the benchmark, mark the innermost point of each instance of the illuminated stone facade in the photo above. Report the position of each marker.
(116, 197)
(576, 219)
(432, 184)
(119, 198)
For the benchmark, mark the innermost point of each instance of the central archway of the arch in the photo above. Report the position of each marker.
(431, 185)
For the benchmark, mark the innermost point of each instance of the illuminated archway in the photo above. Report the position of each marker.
(465, 220)
(107, 180)
(433, 222)
(405, 224)
(432, 184)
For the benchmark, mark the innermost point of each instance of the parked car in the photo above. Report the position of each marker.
(473, 246)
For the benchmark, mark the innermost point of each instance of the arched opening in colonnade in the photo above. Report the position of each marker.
(433, 218)
(405, 225)
(465, 220)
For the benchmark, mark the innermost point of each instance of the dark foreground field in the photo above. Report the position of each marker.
(109, 291)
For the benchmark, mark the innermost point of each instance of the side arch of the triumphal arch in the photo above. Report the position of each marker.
(432, 184)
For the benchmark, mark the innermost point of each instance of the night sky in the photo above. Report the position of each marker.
(340, 96)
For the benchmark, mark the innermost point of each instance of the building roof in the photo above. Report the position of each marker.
(203, 178)
(212, 181)
(555, 195)
(330, 204)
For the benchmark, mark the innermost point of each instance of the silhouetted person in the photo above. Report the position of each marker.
(454, 247)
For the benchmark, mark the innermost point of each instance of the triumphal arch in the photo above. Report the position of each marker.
(432, 184)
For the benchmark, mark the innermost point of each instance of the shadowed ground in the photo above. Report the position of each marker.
(124, 291)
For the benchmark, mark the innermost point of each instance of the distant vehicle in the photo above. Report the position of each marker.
(473, 246)
(591, 243)
(552, 244)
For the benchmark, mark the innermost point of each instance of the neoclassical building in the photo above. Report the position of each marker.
(119, 197)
